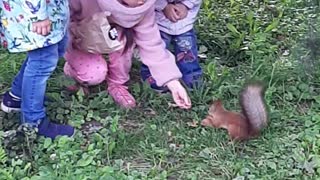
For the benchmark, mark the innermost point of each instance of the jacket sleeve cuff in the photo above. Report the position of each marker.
(165, 80)
(164, 70)
(166, 83)
(161, 4)
(187, 3)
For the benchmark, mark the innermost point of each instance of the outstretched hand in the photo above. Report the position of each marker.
(179, 94)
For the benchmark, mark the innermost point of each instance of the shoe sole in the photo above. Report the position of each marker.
(8, 109)
(74, 133)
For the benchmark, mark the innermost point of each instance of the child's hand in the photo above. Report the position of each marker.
(182, 10)
(171, 12)
(179, 94)
(42, 27)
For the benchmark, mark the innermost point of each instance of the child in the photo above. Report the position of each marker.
(175, 19)
(136, 19)
(37, 27)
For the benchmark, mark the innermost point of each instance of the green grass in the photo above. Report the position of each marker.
(277, 42)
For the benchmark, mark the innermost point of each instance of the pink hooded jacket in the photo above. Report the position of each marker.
(142, 20)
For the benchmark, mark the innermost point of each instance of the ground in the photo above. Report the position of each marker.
(276, 42)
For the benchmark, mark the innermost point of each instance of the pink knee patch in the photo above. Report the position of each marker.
(86, 68)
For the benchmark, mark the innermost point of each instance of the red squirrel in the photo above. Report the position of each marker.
(245, 125)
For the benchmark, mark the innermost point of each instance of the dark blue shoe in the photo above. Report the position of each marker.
(52, 130)
(146, 77)
(152, 83)
(10, 103)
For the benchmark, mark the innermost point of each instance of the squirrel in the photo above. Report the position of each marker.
(245, 125)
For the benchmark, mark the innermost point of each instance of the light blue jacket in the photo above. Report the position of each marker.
(16, 23)
(180, 26)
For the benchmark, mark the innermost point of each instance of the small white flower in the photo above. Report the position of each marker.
(53, 156)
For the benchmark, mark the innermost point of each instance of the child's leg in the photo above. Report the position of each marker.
(118, 75)
(12, 99)
(86, 68)
(145, 72)
(17, 82)
(41, 63)
(186, 52)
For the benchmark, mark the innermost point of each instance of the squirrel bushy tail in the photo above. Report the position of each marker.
(253, 106)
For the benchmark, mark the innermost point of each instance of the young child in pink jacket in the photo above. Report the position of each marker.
(137, 16)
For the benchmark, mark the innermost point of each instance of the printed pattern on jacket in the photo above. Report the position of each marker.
(16, 23)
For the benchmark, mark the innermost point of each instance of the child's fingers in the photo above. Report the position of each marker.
(43, 31)
(177, 12)
(175, 15)
(178, 100)
(182, 100)
(172, 18)
(39, 30)
(186, 100)
(48, 29)
(41, 27)
(179, 94)
(34, 28)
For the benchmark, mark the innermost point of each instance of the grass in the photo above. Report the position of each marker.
(277, 42)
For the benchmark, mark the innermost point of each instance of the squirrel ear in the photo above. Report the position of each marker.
(217, 102)
(215, 105)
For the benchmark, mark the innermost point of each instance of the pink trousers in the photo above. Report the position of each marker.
(92, 69)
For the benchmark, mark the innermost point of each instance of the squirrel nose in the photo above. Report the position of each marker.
(205, 122)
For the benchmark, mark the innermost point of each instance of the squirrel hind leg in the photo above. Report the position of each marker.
(238, 133)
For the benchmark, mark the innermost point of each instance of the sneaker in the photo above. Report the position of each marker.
(152, 82)
(10, 103)
(52, 130)
(121, 96)
(146, 77)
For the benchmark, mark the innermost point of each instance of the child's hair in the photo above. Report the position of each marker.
(128, 34)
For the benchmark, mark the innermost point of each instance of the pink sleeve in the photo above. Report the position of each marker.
(153, 52)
